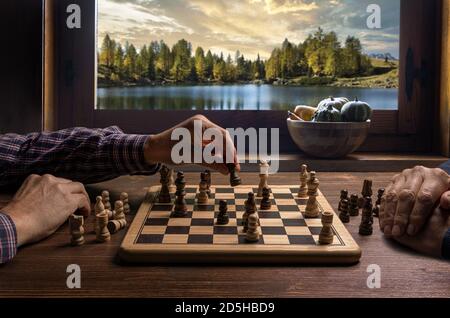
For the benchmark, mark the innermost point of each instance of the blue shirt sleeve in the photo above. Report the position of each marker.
(446, 167)
(8, 239)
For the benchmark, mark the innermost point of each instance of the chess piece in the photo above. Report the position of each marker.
(126, 203)
(119, 213)
(326, 234)
(180, 209)
(353, 205)
(303, 191)
(235, 180)
(202, 197)
(344, 196)
(223, 218)
(208, 182)
(266, 203)
(376, 209)
(312, 206)
(263, 177)
(252, 234)
(344, 213)
(250, 208)
(366, 192)
(106, 200)
(99, 206)
(115, 226)
(164, 193)
(367, 218)
(76, 223)
(101, 230)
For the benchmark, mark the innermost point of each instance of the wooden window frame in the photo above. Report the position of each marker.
(408, 129)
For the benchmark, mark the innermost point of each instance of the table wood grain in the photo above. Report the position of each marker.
(40, 269)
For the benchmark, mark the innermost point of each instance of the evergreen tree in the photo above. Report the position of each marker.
(200, 64)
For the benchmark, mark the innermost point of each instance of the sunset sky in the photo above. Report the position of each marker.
(251, 26)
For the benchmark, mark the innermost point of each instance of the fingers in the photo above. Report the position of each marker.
(427, 197)
(445, 201)
(81, 204)
(390, 205)
(406, 199)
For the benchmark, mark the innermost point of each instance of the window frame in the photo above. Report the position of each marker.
(408, 129)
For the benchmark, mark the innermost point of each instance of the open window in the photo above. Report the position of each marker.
(402, 85)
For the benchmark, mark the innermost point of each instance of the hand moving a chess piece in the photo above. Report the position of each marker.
(158, 147)
(43, 204)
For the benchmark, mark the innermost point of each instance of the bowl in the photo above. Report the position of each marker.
(328, 140)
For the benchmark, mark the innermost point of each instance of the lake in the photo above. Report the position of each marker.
(235, 97)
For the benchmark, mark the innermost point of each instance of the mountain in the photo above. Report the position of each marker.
(383, 56)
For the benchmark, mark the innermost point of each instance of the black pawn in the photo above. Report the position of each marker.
(353, 205)
(344, 195)
(344, 216)
(223, 218)
(376, 209)
(366, 227)
(266, 203)
(235, 180)
(180, 209)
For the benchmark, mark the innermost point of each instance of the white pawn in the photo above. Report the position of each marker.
(106, 200)
(252, 234)
(203, 191)
(119, 210)
(263, 177)
(76, 230)
(302, 192)
(126, 203)
(101, 229)
(99, 206)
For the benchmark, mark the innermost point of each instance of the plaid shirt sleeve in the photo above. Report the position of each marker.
(79, 154)
(8, 239)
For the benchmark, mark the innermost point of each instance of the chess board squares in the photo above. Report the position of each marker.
(267, 214)
(291, 215)
(191, 190)
(203, 208)
(161, 207)
(232, 222)
(224, 190)
(336, 241)
(288, 208)
(225, 239)
(313, 222)
(175, 239)
(231, 214)
(157, 221)
(273, 230)
(271, 222)
(230, 207)
(276, 190)
(179, 222)
(201, 230)
(242, 192)
(154, 229)
(200, 239)
(224, 196)
(276, 239)
(283, 196)
(203, 215)
(150, 239)
(225, 230)
(298, 230)
(301, 202)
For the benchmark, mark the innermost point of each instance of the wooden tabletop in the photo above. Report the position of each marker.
(40, 269)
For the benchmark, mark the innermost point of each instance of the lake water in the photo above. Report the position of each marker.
(235, 97)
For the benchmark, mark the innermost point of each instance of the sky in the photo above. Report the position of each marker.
(250, 26)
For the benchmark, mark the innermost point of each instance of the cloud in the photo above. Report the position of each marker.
(252, 26)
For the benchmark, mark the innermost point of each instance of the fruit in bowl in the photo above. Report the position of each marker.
(337, 128)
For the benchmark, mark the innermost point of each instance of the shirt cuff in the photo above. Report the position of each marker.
(445, 166)
(128, 155)
(8, 239)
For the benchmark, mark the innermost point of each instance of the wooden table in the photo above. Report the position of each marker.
(40, 270)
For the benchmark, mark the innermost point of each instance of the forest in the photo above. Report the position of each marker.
(321, 55)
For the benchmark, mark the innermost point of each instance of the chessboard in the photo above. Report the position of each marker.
(156, 236)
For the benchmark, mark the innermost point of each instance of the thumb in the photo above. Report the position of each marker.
(445, 201)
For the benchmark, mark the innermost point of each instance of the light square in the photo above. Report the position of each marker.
(201, 230)
(297, 230)
(157, 229)
(159, 215)
(203, 215)
(224, 196)
(240, 201)
(244, 190)
(231, 207)
(313, 222)
(276, 239)
(271, 222)
(291, 215)
(286, 202)
(281, 190)
(175, 239)
(179, 222)
(225, 239)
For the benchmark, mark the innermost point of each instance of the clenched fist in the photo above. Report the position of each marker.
(410, 199)
(42, 204)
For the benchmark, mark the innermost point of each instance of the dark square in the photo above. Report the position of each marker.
(240, 208)
(191, 190)
(288, 208)
(241, 195)
(282, 196)
(225, 190)
(200, 239)
(202, 222)
(204, 208)
(225, 230)
(187, 216)
(160, 207)
(190, 201)
(273, 230)
(268, 215)
(294, 222)
(258, 202)
(229, 201)
(301, 240)
(157, 221)
(177, 230)
(242, 240)
(294, 190)
(150, 239)
(231, 214)
(301, 201)
(315, 230)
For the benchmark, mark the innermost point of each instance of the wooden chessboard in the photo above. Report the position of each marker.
(155, 236)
